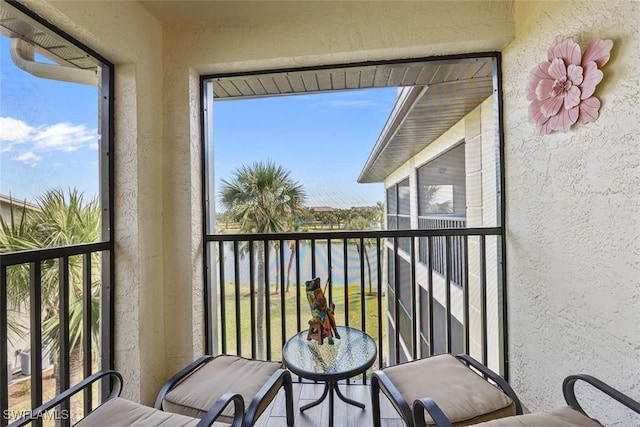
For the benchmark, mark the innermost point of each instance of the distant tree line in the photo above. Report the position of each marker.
(314, 218)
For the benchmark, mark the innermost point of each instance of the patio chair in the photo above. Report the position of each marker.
(195, 388)
(568, 416)
(466, 390)
(118, 412)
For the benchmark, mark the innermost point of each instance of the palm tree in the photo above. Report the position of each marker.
(343, 217)
(59, 220)
(429, 194)
(17, 235)
(262, 198)
(376, 215)
(297, 227)
(12, 235)
(362, 222)
(367, 219)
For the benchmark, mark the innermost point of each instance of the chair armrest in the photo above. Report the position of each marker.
(488, 373)
(215, 411)
(174, 380)
(420, 405)
(568, 389)
(395, 397)
(280, 378)
(38, 412)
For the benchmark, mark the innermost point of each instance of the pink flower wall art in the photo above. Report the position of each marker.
(561, 88)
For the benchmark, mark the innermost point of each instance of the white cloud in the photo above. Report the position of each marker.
(36, 141)
(64, 137)
(29, 157)
(13, 132)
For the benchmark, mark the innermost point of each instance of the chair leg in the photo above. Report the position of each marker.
(288, 399)
(381, 383)
(375, 401)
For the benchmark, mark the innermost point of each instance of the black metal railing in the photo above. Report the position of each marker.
(360, 270)
(60, 287)
(400, 222)
(446, 251)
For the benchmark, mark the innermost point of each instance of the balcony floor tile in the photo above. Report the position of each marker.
(318, 416)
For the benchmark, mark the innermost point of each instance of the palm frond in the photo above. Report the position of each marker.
(60, 220)
(262, 198)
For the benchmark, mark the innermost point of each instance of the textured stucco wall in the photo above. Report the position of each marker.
(271, 35)
(572, 199)
(263, 36)
(184, 315)
(573, 214)
(127, 35)
(158, 213)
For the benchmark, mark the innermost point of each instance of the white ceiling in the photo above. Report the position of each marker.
(442, 91)
(14, 24)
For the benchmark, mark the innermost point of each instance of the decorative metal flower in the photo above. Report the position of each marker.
(561, 88)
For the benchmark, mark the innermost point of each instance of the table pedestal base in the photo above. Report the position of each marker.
(329, 389)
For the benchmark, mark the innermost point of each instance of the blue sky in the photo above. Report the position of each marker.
(49, 137)
(48, 133)
(323, 139)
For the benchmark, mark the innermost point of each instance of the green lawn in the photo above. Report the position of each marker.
(291, 323)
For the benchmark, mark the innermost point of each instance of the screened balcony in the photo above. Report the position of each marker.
(571, 218)
(248, 319)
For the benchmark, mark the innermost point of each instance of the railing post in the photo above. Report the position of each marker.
(345, 257)
(298, 285)
(223, 300)
(267, 297)
(465, 295)
(236, 281)
(430, 290)
(35, 307)
(362, 290)
(283, 323)
(379, 269)
(443, 265)
(447, 280)
(87, 314)
(313, 257)
(252, 297)
(329, 273)
(414, 297)
(483, 298)
(64, 373)
(396, 300)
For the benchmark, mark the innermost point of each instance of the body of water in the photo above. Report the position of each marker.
(312, 263)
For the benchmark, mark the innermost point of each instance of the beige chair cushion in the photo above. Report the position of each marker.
(120, 412)
(561, 417)
(464, 396)
(200, 391)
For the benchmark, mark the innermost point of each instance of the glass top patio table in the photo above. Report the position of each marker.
(350, 355)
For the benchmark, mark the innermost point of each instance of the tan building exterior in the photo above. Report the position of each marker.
(18, 206)
(463, 163)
